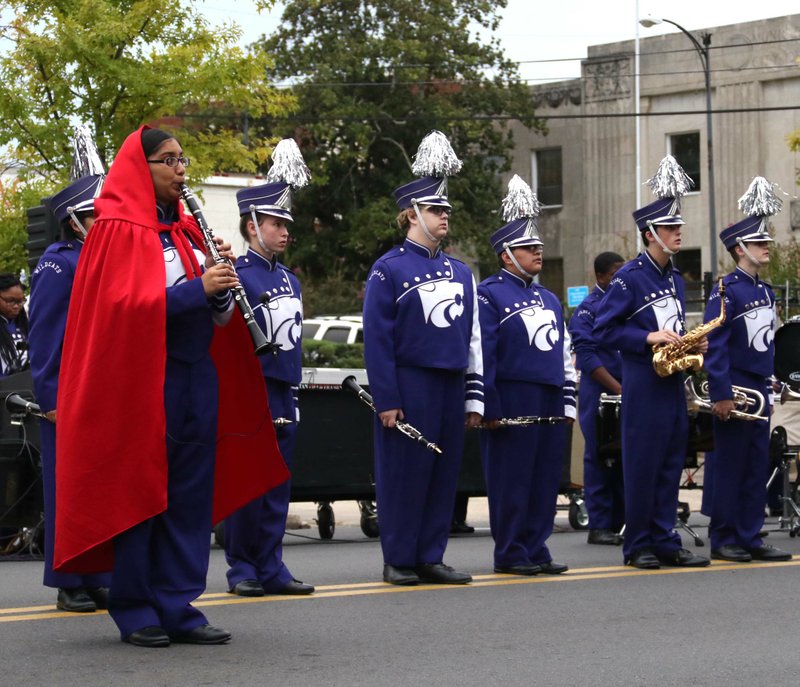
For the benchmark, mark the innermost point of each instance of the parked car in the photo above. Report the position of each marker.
(335, 328)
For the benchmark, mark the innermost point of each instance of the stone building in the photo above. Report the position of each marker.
(584, 169)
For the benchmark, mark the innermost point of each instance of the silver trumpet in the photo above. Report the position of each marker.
(788, 393)
(744, 399)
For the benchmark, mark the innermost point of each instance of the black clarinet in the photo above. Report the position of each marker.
(260, 342)
(410, 431)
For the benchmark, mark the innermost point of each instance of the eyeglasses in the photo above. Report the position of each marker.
(531, 249)
(172, 161)
(439, 210)
(14, 301)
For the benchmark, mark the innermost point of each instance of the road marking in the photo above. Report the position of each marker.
(47, 612)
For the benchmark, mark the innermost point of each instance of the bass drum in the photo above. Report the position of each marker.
(787, 353)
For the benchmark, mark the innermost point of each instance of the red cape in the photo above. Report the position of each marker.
(111, 464)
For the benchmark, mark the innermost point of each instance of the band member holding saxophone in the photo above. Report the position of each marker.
(644, 307)
(528, 370)
(741, 352)
(601, 372)
(254, 533)
(423, 357)
(51, 289)
(162, 416)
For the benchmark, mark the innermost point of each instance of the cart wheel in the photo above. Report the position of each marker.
(578, 515)
(219, 534)
(326, 522)
(684, 511)
(369, 519)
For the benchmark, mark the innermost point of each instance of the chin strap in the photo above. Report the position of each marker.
(254, 217)
(422, 224)
(78, 223)
(747, 253)
(654, 231)
(514, 260)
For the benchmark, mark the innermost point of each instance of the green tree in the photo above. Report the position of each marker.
(372, 78)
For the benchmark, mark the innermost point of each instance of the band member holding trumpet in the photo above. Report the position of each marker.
(423, 357)
(51, 288)
(644, 307)
(528, 371)
(158, 435)
(741, 353)
(601, 371)
(254, 534)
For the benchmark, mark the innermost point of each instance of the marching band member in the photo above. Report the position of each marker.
(527, 371)
(741, 352)
(13, 325)
(51, 288)
(254, 534)
(644, 305)
(161, 434)
(601, 371)
(423, 358)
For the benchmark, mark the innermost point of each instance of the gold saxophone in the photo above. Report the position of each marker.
(669, 358)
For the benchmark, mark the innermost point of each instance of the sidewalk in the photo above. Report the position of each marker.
(303, 515)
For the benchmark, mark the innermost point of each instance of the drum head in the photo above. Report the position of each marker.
(787, 353)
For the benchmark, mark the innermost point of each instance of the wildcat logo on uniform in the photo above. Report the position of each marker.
(667, 315)
(760, 333)
(284, 318)
(542, 327)
(442, 302)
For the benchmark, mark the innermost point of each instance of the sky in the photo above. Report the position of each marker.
(548, 39)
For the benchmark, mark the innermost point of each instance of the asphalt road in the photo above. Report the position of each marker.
(600, 624)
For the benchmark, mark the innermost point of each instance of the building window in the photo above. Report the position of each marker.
(685, 148)
(546, 175)
(688, 261)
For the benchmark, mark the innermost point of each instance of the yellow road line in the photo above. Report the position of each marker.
(47, 612)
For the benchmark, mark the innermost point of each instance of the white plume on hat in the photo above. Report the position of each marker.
(288, 165)
(520, 201)
(435, 157)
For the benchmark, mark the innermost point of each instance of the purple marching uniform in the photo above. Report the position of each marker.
(527, 371)
(18, 336)
(423, 354)
(254, 533)
(51, 289)
(173, 538)
(740, 352)
(643, 298)
(603, 485)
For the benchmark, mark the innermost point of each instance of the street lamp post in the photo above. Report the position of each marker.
(703, 52)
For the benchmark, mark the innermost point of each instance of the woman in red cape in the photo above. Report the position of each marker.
(160, 409)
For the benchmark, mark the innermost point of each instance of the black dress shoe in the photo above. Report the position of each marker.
(606, 537)
(151, 637)
(731, 552)
(205, 634)
(439, 573)
(683, 558)
(553, 568)
(400, 576)
(99, 595)
(247, 588)
(765, 552)
(643, 559)
(527, 569)
(75, 601)
(461, 528)
(295, 588)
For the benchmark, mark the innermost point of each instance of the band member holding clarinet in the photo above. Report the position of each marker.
(423, 357)
(162, 416)
(51, 288)
(741, 352)
(601, 371)
(645, 305)
(528, 371)
(254, 533)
